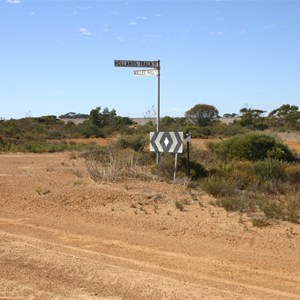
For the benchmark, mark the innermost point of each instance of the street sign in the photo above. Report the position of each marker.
(187, 136)
(150, 72)
(137, 63)
(171, 142)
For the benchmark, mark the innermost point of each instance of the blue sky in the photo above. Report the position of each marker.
(58, 56)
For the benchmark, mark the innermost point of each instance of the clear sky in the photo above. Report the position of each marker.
(58, 56)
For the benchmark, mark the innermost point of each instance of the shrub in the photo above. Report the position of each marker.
(261, 221)
(253, 147)
(270, 169)
(274, 187)
(231, 204)
(272, 210)
(223, 170)
(288, 210)
(244, 176)
(112, 164)
(135, 142)
(230, 179)
(179, 205)
(219, 186)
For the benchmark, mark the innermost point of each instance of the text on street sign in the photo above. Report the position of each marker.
(150, 72)
(136, 63)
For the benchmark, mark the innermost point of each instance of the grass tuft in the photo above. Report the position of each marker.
(179, 205)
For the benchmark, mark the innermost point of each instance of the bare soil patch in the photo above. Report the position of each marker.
(62, 236)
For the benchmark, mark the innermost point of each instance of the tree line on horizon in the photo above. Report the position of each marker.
(202, 120)
(287, 116)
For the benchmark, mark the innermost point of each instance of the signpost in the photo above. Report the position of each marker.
(154, 67)
(171, 142)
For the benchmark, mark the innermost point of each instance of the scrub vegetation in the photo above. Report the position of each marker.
(248, 170)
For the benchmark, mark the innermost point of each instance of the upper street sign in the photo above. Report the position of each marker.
(150, 72)
(137, 63)
(171, 142)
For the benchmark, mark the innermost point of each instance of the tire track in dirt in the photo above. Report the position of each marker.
(69, 271)
(90, 242)
(200, 273)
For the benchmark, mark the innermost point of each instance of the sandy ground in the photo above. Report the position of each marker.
(62, 236)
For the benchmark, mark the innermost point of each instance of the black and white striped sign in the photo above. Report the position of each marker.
(166, 142)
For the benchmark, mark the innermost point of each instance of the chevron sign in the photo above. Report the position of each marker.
(166, 142)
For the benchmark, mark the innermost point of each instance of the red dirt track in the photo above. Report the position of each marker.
(62, 236)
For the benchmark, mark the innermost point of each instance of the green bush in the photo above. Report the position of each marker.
(270, 169)
(269, 209)
(272, 210)
(237, 175)
(288, 210)
(179, 205)
(253, 147)
(136, 142)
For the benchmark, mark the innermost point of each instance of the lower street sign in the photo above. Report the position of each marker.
(166, 142)
(149, 72)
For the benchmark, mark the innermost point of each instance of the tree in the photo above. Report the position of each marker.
(202, 114)
(252, 118)
(95, 116)
(108, 117)
(104, 118)
(123, 120)
(285, 115)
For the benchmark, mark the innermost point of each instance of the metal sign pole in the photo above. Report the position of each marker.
(175, 167)
(158, 97)
(188, 158)
(158, 106)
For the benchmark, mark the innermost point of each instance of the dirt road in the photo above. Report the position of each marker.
(62, 236)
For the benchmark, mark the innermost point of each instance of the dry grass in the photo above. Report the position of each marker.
(115, 165)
